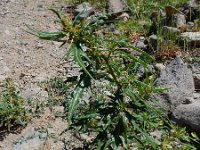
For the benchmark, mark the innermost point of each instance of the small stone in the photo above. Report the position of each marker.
(191, 37)
(196, 95)
(115, 6)
(124, 16)
(153, 41)
(170, 31)
(159, 66)
(39, 46)
(139, 44)
(192, 4)
(42, 77)
(85, 8)
(188, 115)
(4, 70)
(2, 78)
(190, 26)
(7, 32)
(31, 140)
(156, 134)
(196, 81)
(188, 100)
(180, 20)
(35, 93)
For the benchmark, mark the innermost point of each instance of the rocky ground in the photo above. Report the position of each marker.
(29, 61)
(23, 57)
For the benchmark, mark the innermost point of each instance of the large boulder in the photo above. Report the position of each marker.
(188, 115)
(178, 80)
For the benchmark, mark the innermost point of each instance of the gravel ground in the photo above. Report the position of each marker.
(28, 60)
(24, 57)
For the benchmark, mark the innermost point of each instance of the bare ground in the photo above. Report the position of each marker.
(28, 60)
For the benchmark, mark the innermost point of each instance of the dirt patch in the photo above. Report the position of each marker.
(28, 59)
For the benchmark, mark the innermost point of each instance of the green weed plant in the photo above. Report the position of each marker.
(12, 106)
(118, 112)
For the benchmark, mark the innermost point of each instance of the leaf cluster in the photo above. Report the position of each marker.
(119, 110)
(12, 106)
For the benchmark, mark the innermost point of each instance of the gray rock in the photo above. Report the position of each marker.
(192, 38)
(180, 20)
(2, 78)
(159, 66)
(156, 134)
(190, 26)
(124, 16)
(85, 8)
(116, 6)
(177, 78)
(196, 96)
(196, 81)
(35, 93)
(153, 41)
(192, 4)
(188, 115)
(139, 44)
(31, 140)
(170, 31)
(42, 77)
(4, 70)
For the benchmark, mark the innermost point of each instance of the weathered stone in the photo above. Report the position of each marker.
(159, 66)
(196, 81)
(192, 38)
(170, 31)
(85, 8)
(188, 115)
(156, 134)
(124, 16)
(190, 27)
(2, 78)
(153, 41)
(180, 20)
(31, 140)
(42, 77)
(139, 44)
(192, 4)
(177, 78)
(196, 96)
(116, 6)
(35, 93)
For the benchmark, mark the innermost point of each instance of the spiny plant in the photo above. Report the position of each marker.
(12, 106)
(119, 111)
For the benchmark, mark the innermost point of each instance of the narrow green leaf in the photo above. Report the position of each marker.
(54, 36)
(56, 12)
(124, 143)
(77, 56)
(75, 99)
